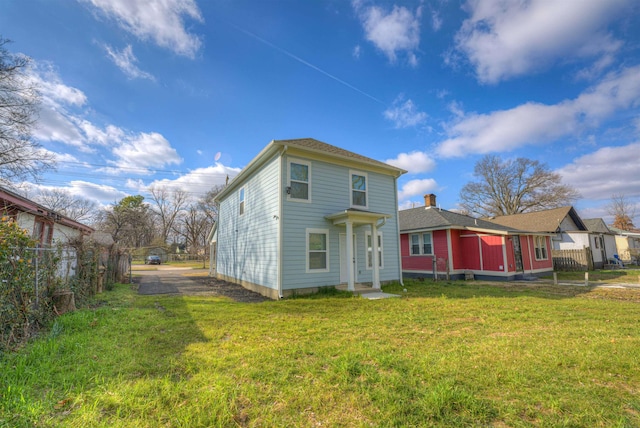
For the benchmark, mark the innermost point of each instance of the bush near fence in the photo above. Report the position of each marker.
(31, 275)
(572, 260)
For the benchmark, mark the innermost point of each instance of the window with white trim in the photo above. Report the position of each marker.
(299, 180)
(241, 199)
(427, 246)
(358, 189)
(421, 244)
(317, 250)
(541, 247)
(370, 251)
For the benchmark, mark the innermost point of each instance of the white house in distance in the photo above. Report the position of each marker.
(301, 216)
(45, 226)
(602, 242)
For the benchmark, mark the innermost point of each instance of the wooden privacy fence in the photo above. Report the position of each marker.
(572, 260)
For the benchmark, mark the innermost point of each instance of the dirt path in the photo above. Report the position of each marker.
(189, 282)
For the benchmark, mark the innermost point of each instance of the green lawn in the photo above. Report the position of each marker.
(630, 275)
(445, 354)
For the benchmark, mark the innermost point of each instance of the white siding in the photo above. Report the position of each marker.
(63, 234)
(247, 248)
(572, 241)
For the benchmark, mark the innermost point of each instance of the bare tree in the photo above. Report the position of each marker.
(167, 205)
(20, 157)
(505, 187)
(195, 227)
(623, 212)
(63, 202)
(208, 204)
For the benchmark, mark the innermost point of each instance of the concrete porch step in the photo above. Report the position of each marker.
(367, 292)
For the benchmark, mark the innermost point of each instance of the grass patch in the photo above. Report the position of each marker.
(445, 354)
(629, 275)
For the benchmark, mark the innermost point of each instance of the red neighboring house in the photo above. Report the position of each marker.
(433, 239)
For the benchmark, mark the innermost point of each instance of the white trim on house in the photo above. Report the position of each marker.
(352, 190)
(369, 249)
(308, 250)
(290, 189)
(242, 200)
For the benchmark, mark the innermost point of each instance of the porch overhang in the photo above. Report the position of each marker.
(351, 218)
(356, 217)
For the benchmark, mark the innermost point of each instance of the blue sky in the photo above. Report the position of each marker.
(185, 92)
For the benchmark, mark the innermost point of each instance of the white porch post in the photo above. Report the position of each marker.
(350, 255)
(375, 256)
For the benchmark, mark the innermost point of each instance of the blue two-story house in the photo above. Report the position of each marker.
(304, 214)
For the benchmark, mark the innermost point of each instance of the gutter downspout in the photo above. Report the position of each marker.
(280, 221)
(395, 181)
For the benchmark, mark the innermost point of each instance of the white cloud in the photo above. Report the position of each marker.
(397, 31)
(404, 114)
(605, 172)
(126, 61)
(535, 123)
(159, 20)
(61, 119)
(414, 162)
(356, 52)
(417, 187)
(436, 20)
(145, 150)
(55, 125)
(100, 193)
(503, 39)
(200, 180)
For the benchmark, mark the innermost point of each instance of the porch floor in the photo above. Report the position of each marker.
(367, 292)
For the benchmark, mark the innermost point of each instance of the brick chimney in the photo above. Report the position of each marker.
(430, 200)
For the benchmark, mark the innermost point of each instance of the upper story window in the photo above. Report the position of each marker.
(241, 199)
(359, 195)
(299, 180)
(541, 248)
(421, 244)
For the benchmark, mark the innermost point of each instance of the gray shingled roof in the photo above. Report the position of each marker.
(309, 145)
(540, 221)
(596, 225)
(435, 218)
(313, 145)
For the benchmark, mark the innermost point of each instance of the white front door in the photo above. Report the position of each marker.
(344, 277)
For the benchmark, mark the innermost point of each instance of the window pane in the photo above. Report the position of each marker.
(426, 240)
(299, 172)
(317, 242)
(359, 198)
(299, 190)
(318, 260)
(358, 182)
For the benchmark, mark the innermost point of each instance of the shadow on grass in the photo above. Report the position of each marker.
(102, 362)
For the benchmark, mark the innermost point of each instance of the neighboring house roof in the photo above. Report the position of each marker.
(540, 221)
(596, 225)
(10, 200)
(633, 233)
(312, 147)
(432, 218)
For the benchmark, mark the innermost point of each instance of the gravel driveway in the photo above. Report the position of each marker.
(189, 282)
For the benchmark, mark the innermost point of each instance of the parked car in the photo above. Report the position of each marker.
(153, 260)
